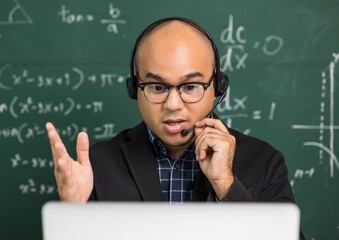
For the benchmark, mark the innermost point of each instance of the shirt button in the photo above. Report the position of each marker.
(177, 166)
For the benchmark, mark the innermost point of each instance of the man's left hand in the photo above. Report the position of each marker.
(214, 149)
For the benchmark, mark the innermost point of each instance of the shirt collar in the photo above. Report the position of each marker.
(160, 148)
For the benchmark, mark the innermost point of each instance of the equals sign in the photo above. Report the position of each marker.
(25, 162)
(257, 115)
(97, 129)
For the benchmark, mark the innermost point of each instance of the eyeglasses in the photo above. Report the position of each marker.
(190, 92)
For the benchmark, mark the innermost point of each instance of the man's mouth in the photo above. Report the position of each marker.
(174, 126)
(173, 123)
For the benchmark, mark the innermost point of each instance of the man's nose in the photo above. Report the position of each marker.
(174, 101)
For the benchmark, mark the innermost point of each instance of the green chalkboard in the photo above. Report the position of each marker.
(67, 61)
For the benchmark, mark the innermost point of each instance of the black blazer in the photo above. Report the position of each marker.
(125, 169)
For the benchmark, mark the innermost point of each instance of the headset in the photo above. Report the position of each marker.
(220, 79)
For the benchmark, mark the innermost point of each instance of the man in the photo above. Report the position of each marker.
(177, 153)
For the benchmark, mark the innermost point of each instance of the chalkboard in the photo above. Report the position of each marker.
(67, 61)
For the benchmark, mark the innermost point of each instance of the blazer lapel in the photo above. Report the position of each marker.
(140, 157)
(202, 188)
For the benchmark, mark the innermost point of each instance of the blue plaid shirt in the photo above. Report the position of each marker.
(177, 176)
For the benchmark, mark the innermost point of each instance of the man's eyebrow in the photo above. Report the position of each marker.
(184, 78)
(154, 76)
(192, 75)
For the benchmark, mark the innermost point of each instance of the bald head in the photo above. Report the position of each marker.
(171, 34)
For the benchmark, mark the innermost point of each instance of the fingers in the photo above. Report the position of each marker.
(212, 140)
(214, 123)
(64, 168)
(58, 148)
(73, 178)
(214, 149)
(209, 140)
(61, 158)
(83, 148)
(50, 128)
(64, 178)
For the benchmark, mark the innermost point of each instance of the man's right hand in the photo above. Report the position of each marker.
(74, 178)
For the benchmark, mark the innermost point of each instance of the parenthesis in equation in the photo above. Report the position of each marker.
(20, 131)
(11, 107)
(71, 107)
(76, 130)
(81, 78)
(1, 72)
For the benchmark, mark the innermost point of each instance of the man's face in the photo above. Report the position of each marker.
(174, 59)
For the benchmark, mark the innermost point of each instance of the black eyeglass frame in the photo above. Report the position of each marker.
(204, 85)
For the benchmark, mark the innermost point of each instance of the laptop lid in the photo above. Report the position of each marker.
(154, 221)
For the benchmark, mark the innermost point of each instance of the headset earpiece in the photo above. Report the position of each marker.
(223, 82)
(131, 86)
(220, 84)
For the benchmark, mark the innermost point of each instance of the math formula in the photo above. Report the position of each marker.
(112, 22)
(235, 55)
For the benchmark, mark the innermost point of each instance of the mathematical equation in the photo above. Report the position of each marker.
(27, 131)
(236, 108)
(35, 162)
(66, 107)
(112, 22)
(235, 45)
(301, 174)
(73, 79)
(32, 188)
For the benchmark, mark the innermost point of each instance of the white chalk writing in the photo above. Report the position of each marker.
(17, 108)
(236, 108)
(35, 162)
(235, 44)
(74, 79)
(327, 77)
(27, 131)
(32, 188)
(17, 11)
(299, 173)
(112, 22)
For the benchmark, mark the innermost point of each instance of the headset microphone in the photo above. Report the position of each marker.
(187, 131)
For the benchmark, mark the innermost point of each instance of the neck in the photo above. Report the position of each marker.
(176, 151)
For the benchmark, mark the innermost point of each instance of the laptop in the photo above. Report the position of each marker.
(162, 221)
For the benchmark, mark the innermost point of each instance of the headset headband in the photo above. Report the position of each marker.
(186, 20)
(220, 80)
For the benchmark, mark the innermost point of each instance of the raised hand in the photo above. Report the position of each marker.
(74, 178)
(214, 148)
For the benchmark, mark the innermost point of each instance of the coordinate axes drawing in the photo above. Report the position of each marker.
(326, 112)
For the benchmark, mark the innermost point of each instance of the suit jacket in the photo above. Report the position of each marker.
(124, 169)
